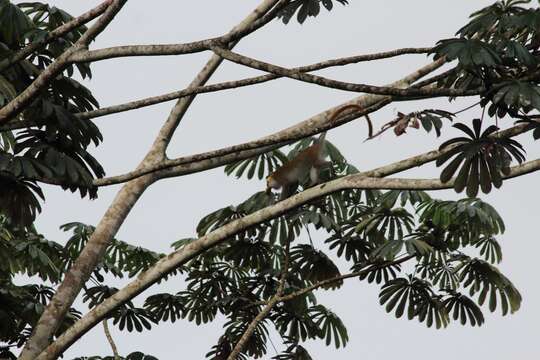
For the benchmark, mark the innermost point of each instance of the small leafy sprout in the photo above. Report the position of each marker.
(484, 159)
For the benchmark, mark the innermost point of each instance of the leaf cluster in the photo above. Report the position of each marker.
(53, 143)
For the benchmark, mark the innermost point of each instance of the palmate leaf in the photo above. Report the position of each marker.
(283, 229)
(95, 295)
(388, 250)
(331, 327)
(227, 214)
(255, 347)
(433, 119)
(512, 96)
(14, 24)
(294, 351)
(131, 319)
(497, 16)
(208, 289)
(39, 256)
(394, 223)
(489, 249)
(305, 8)
(471, 53)
(297, 326)
(19, 199)
(482, 159)
(462, 308)
(460, 223)
(486, 280)
(389, 198)
(432, 311)
(349, 244)
(137, 355)
(319, 219)
(223, 349)
(414, 297)
(217, 219)
(7, 141)
(47, 18)
(518, 52)
(68, 162)
(261, 165)
(56, 113)
(314, 265)
(40, 292)
(138, 259)
(379, 272)
(254, 254)
(445, 276)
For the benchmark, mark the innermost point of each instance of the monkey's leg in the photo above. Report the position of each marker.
(288, 190)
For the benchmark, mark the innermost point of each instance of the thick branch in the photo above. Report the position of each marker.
(341, 85)
(120, 208)
(173, 49)
(245, 82)
(311, 126)
(16, 105)
(60, 303)
(220, 157)
(181, 256)
(56, 33)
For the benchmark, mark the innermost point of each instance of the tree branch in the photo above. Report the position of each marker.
(311, 126)
(315, 286)
(15, 106)
(245, 82)
(208, 160)
(110, 339)
(117, 212)
(341, 85)
(54, 34)
(60, 303)
(174, 49)
(190, 251)
(268, 307)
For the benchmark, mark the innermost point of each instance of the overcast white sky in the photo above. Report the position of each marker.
(170, 209)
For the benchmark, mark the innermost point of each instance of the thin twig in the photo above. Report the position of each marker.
(341, 278)
(110, 339)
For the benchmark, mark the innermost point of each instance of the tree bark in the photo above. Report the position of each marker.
(117, 212)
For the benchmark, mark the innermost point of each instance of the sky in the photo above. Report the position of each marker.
(170, 209)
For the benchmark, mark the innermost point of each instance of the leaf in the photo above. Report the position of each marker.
(314, 265)
(482, 159)
(332, 328)
(305, 9)
(471, 53)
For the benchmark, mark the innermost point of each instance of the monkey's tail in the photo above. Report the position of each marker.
(321, 138)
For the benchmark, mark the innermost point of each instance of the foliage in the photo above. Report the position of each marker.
(305, 8)
(450, 247)
(52, 145)
(26, 252)
(484, 158)
(373, 234)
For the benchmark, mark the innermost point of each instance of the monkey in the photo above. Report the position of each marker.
(308, 161)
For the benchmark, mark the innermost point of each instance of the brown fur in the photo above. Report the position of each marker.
(291, 173)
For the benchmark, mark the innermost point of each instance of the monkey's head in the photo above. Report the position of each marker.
(272, 183)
